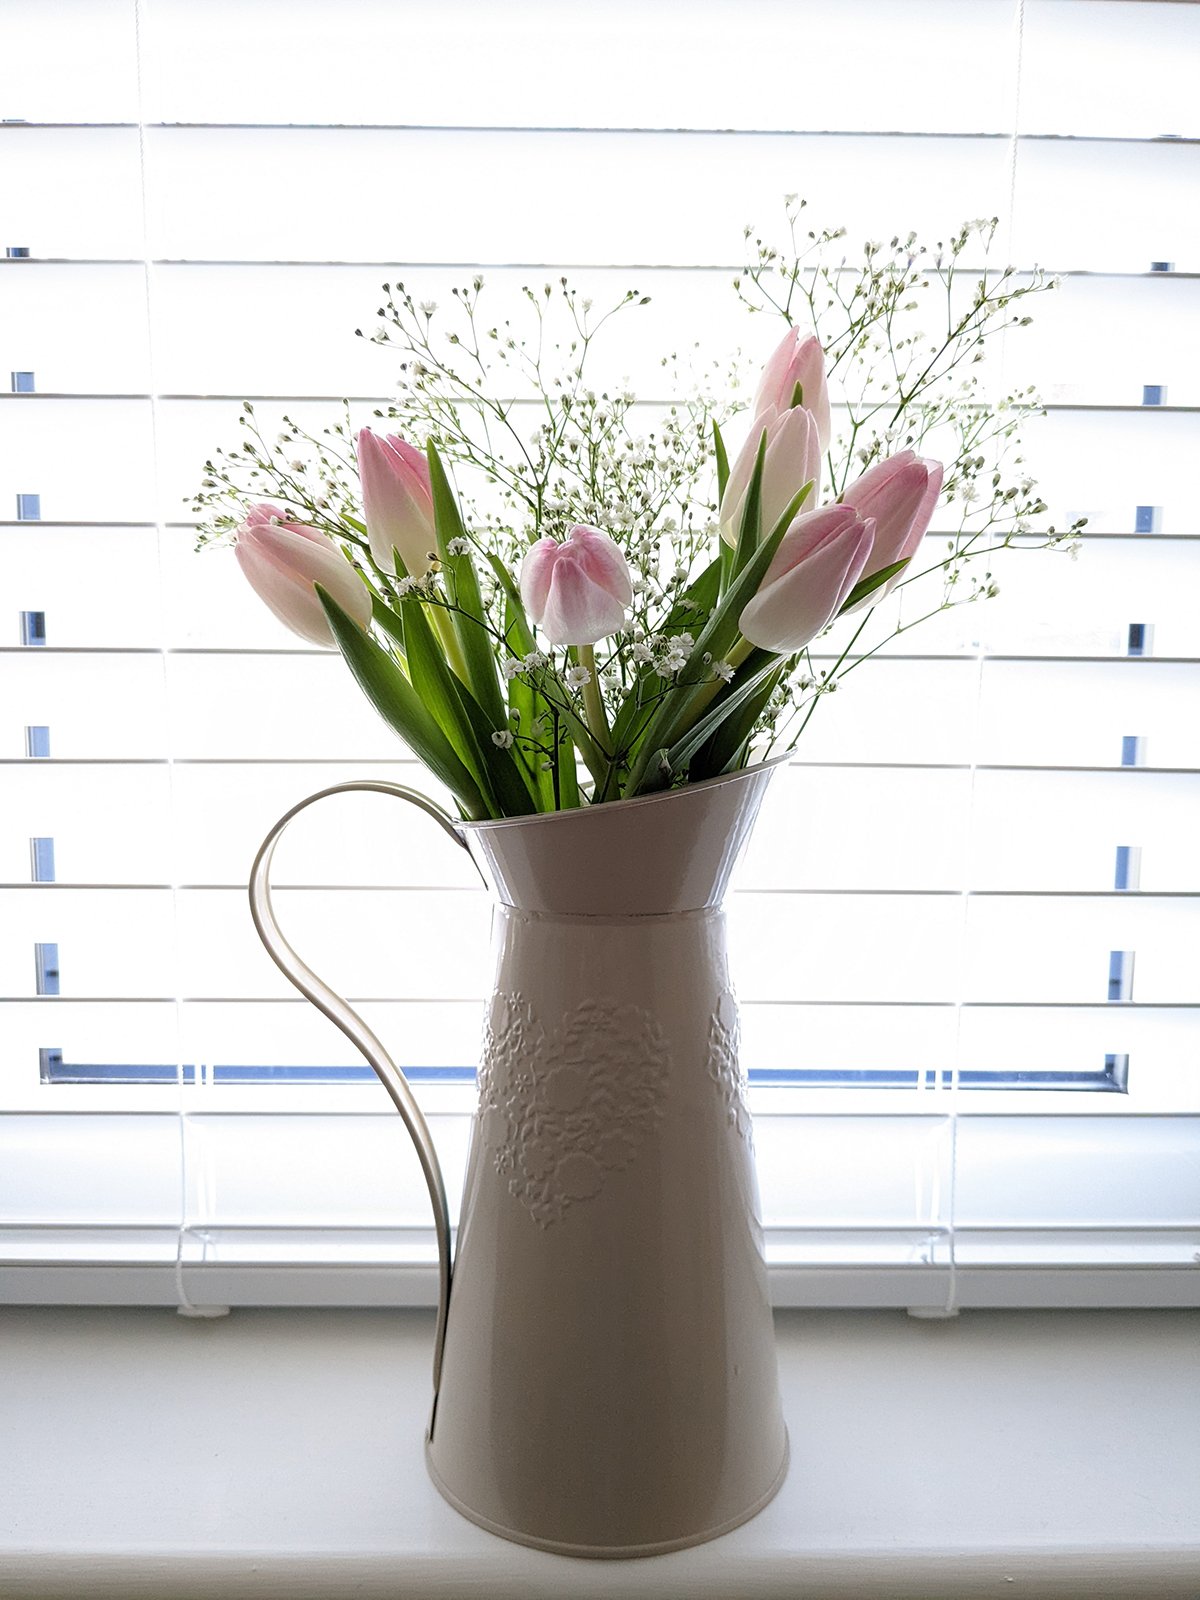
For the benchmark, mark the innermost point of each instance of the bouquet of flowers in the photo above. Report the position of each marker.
(627, 613)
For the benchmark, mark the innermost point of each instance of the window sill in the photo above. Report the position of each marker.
(279, 1454)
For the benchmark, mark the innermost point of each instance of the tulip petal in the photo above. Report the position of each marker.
(577, 591)
(739, 477)
(900, 493)
(818, 562)
(397, 502)
(602, 561)
(284, 563)
(775, 373)
(924, 513)
(579, 611)
(536, 571)
(796, 360)
(793, 458)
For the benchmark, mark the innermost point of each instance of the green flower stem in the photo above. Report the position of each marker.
(450, 644)
(593, 705)
(710, 691)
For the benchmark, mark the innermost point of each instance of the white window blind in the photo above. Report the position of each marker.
(966, 932)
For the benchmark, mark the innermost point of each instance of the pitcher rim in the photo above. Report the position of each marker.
(609, 806)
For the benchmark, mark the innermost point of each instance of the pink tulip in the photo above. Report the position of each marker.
(820, 559)
(283, 560)
(793, 459)
(397, 502)
(796, 361)
(578, 590)
(900, 494)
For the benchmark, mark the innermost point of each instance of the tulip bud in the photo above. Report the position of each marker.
(577, 591)
(900, 494)
(793, 459)
(796, 361)
(819, 560)
(397, 502)
(284, 560)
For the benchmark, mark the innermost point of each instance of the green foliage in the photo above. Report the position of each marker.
(402, 708)
(469, 620)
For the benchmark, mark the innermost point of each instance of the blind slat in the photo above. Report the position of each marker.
(1059, 353)
(609, 188)
(1130, 70)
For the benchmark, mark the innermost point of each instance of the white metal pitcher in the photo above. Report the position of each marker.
(604, 1366)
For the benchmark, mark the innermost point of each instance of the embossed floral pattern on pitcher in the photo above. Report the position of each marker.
(562, 1104)
(725, 1067)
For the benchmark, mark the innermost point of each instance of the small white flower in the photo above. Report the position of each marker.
(512, 668)
(428, 307)
(577, 677)
(503, 739)
(535, 659)
(382, 331)
(320, 498)
(459, 547)
(723, 670)
(297, 465)
(405, 586)
(641, 653)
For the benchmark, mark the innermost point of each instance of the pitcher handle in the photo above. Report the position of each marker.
(356, 1030)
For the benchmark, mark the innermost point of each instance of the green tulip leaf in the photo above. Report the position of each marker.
(398, 703)
(867, 586)
(722, 463)
(468, 620)
(389, 622)
(751, 523)
(681, 752)
(696, 602)
(464, 722)
(529, 706)
(516, 625)
(724, 748)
